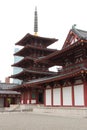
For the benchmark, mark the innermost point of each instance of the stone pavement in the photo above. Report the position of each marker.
(40, 121)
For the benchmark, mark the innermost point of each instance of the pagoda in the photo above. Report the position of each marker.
(34, 47)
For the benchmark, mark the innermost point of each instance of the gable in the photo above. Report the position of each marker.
(71, 38)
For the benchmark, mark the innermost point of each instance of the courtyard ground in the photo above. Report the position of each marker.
(40, 121)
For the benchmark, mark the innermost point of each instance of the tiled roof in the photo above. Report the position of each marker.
(60, 76)
(57, 53)
(9, 92)
(6, 86)
(41, 72)
(29, 37)
(81, 33)
(27, 72)
(53, 78)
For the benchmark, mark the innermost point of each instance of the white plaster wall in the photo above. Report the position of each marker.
(56, 96)
(67, 95)
(48, 96)
(21, 101)
(33, 101)
(28, 101)
(79, 95)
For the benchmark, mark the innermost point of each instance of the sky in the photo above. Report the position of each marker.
(55, 19)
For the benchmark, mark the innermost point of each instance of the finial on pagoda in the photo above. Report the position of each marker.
(35, 22)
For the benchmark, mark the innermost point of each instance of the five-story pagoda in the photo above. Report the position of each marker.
(34, 47)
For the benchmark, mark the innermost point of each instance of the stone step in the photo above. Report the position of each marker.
(70, 112)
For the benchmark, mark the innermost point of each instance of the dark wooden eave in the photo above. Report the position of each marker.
(28, 38)
(45, 80)
(27, 73)
(27, 49)
(25, 62)
(9, 92)
(57, 55)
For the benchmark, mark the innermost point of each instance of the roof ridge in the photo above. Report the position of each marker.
(81, 30)
(81, 33)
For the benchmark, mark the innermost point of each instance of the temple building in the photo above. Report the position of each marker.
(7, 95)
(67, 86)
(34, 47)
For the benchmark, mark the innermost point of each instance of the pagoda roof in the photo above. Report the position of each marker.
(59, 77)
(28, 38)
(24, 62)
(28, 48)
(26, 73)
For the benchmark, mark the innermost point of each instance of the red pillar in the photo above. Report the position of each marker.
(45, 97)
(22, 98)
(73, 95)
(6, 104)
(37, 93)
(61, 96)
(30, 96)
(85, 93)
(51, 96)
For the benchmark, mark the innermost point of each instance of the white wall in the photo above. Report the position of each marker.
(33, 101)
(79, 95)
(56, 96)
(48, 97)
(67, 95)
(28, 101)
(21, 101)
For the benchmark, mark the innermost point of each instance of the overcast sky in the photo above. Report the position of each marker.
(55, 19)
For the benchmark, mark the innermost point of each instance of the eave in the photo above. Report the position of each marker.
(27, 73)
(28, 48)
(27, 62)
(7, 92)
(24, 62)
(29, 37)
(59, 53)
(59, 77)
(41, 81)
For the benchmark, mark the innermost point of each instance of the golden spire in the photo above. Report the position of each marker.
(35, 22)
